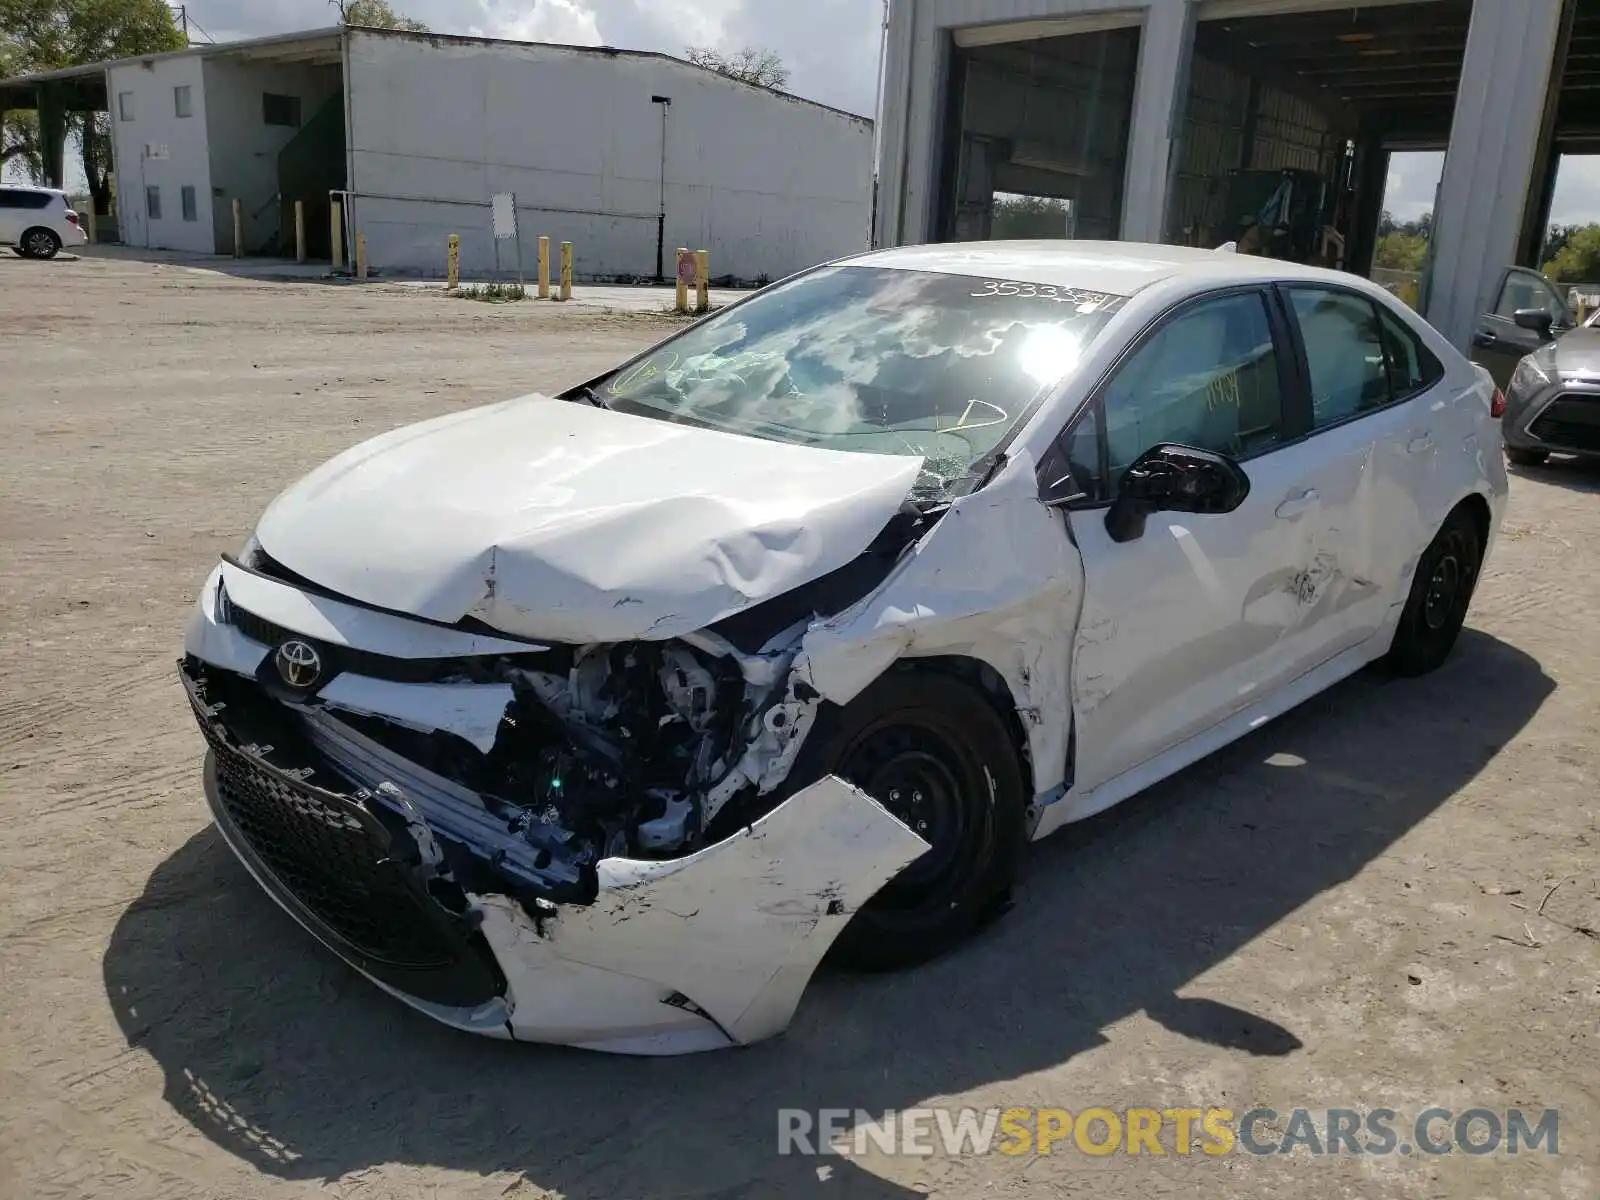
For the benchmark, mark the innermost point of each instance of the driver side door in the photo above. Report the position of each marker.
(1200, 616)
(1498, 342)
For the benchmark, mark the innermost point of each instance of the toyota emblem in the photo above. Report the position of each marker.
(299, 664)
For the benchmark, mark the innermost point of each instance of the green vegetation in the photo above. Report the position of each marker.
(493, 293)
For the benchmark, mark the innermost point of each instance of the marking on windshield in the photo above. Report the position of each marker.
(1086, 302)
(964, 423)
(1223, 391)
(649, 371)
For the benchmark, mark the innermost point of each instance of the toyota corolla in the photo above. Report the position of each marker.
(600, 718)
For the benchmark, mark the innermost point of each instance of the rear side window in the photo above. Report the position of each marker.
(21, 198)
(1349, 374)
(1412, 366)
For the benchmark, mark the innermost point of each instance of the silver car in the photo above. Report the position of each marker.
(1552, 400)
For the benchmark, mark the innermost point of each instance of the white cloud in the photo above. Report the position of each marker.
(570, 22)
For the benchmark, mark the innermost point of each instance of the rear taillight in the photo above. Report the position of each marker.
(1497, 406)
(72, 217)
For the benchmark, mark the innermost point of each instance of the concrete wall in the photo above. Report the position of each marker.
(769, 184)
(244, 148)
(155, 124)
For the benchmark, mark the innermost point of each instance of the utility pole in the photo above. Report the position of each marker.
(661, 215)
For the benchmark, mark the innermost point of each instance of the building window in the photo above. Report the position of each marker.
(152, 203)
(186, 197)
(125, 105)
(181, 101)
(280, 110)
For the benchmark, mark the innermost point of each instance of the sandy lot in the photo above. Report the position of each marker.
(1344, 910)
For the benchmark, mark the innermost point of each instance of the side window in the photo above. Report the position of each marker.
(186, 198)
(182, 101)
(9, 198)
(1412, 365)
(152, 202)
(1208, 378)
(280, 110)
(1525, 289)
(125, 106)
(1349, 372)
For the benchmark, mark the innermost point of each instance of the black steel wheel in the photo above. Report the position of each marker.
(1440, 593)
(934, 752)
(40, 242)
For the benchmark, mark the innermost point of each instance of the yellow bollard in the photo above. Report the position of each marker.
(238, 228)
(685, 270)
(300, 231)
(361, 256)
(336, 233)
(702, 280)
(544, 268)
(452, 268)
(566, 270)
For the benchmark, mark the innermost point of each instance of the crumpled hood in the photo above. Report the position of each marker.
(562, 521)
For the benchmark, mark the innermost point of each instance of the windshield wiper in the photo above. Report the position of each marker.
(592, 396)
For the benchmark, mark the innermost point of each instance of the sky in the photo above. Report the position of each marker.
(1413, 178)
(830, 46)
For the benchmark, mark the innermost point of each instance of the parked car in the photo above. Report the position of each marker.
(599, 719)
(36, 221)
(1552, 385)
(1528, 313)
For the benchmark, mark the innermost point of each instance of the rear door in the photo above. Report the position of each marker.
(1497, 340)
(1378, 428)
(10, 215)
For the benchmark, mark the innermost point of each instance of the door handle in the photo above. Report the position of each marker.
(1484, 339)
(1294, 506)
(1420, 445)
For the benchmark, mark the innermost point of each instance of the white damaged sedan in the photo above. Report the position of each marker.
(599, 719)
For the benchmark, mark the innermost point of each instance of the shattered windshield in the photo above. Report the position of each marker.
(872, 359)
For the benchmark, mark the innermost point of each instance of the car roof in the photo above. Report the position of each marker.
(33, 187)
(1115, 268)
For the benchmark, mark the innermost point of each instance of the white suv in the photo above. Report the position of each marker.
(36, 222)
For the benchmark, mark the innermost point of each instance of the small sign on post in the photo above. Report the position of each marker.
(503, 213)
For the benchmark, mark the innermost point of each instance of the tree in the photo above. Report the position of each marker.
(46, 35)
(1578, 260)
(764, 68)
(375, 14)
(1018, 216)
(1401, 251)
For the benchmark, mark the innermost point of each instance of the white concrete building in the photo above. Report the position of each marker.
(628, 155)
(1135, 117)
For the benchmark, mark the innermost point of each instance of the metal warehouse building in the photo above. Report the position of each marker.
(625, 154)
(1136, 112)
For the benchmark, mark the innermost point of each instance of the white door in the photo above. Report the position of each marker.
(10, 217)
(1380, 430)
(1201, 615)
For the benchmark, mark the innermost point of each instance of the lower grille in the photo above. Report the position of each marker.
(340, 868)
(1570, 423)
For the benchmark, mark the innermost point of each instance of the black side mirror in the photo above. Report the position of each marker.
(1537, 319)
(1170, 478)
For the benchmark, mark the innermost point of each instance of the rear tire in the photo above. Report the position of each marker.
(1525, 458)
(933, 751)
(39, 242)
(1442, 589)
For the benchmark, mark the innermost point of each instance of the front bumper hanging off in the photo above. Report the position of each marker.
(670, 957)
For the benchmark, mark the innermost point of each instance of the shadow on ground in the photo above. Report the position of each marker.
(1565, 470)
(299, 1067)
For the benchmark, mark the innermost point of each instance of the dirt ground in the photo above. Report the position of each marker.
(1350, 908)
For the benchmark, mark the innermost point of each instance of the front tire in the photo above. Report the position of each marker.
(935, 752)
(1525, 458)
(1442, 589)
(40, 243)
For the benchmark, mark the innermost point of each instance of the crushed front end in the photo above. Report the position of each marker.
(523, 839)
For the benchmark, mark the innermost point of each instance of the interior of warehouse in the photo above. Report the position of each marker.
(1286, 123)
